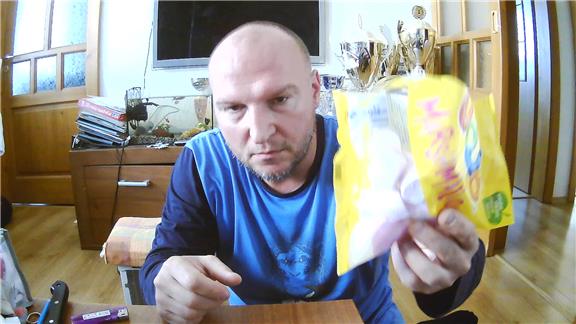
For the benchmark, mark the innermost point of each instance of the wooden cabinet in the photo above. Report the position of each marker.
(113, 183)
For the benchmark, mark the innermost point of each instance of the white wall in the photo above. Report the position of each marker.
(567, 99)
(125, 30)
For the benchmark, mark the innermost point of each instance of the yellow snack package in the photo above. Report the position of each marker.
(410, 150)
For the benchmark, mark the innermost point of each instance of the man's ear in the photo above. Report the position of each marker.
(316, 88)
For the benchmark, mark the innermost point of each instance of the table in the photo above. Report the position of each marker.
(339, 311)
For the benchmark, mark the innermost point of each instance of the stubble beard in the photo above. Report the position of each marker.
(276, 177)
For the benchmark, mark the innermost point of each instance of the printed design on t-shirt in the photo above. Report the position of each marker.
(300, 273)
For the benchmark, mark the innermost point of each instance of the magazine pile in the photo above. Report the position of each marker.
(101, 123)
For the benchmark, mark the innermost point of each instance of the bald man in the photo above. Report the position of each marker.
(249, 214)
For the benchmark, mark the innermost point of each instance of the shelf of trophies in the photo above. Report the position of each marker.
(371, 59)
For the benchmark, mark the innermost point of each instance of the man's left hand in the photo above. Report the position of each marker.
(453, 241)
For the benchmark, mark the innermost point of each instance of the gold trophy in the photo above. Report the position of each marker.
(391, 61)
(362, 61)
(417, 42)
(390, 64)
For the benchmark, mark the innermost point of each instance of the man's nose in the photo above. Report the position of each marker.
(261, 124)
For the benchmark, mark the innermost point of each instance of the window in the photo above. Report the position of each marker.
(521, 6)
(49, 46)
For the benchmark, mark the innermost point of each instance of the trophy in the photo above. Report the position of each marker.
(328, 83)
(331, 82)
(390, 66)
(417, 42)
(201, 85)
(362, 61)
(202, 101)
(391, 61)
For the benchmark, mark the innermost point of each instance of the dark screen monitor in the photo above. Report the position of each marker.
(186, 32)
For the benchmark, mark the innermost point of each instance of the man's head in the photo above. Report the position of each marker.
(265, 95)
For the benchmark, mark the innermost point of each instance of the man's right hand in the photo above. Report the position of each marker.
(189, 286)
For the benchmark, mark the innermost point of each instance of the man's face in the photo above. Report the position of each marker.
(265, 107)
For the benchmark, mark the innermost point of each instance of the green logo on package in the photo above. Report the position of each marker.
(494, 206)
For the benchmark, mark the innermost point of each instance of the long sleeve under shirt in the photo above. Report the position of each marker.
(283, 245)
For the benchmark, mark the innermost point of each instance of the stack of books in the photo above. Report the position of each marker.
(101, 123)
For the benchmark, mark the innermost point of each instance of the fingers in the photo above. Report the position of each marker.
(453, 241)
(450, 254)
(217, 270)
(405, 274)
(454, 224)
(189, 286)
(172, 311)
(426, 276)
(202, 275)
(183, 300)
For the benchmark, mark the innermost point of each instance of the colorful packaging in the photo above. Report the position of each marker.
(409, 151)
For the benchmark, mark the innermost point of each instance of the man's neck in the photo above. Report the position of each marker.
(300, 173)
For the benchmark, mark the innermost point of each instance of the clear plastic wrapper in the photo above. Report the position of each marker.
(408, 151)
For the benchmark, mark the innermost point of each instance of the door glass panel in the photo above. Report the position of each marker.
(463, 58)
(478, 15)
(46, 74)
(521, 28)
(450, 17)
(520, 21)
(69, 22)
(29, 26)
(484, 64)
(74, 69)
(21, 78)
(446, 54)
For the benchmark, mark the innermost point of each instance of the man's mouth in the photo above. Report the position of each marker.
(267, 154)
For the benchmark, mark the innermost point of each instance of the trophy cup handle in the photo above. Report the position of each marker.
(385, 31)
(400, 27)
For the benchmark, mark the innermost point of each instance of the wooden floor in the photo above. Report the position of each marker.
(542, 250)
(533, 281)
(47, 245)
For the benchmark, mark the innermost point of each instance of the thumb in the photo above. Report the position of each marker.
(216, 269)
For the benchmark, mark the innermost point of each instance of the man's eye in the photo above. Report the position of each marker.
(280, 100)
(234, 108)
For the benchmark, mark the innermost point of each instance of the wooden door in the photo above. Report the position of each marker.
(547, 112)
(50, 60)
(474, 39)
(572, 183)
(2, 165)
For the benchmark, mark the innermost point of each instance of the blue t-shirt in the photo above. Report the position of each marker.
(283, 245)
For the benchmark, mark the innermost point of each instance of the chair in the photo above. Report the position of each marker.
(127, 247)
